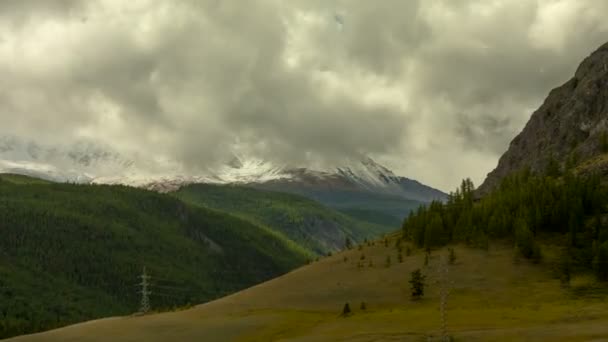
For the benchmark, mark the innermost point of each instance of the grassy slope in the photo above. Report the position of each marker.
(306, 222)
(73, 252)
(493, 298)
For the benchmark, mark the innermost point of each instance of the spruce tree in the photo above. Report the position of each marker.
(348, 243)
(346, 310)
(452, 256)
(417, 284)
(604, 142)
(565, 268)
(601, 262)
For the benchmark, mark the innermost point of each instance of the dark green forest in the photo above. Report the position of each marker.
(307, 223)
(70, 253)
(528, 210)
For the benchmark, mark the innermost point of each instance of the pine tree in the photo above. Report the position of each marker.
(348, 243)
(452, 256)
(565, 268)
(604, 142)
(525, 241)
(434, 235)
(552, 169)
(601, 262)
(346, 310)
(417, 284)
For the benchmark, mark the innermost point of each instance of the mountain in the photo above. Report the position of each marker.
(79, 162)
(365, 190)
(307, 223)
(72, 252)
(361, 188)
(570, 128)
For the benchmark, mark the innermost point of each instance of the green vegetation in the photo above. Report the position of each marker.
(70, 253)
(451, 256)
(20, 179)
(525, 209)
(417, 284)
(604, 142)
(490, 299)
(386, 210)
(346, 310)
(306, 222)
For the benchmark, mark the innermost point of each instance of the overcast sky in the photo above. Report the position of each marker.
(433, 89)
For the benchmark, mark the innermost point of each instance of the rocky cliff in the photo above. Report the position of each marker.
(571, 127)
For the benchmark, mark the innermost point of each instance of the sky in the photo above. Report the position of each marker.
(433, 89)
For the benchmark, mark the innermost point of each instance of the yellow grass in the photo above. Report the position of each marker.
(492, 299)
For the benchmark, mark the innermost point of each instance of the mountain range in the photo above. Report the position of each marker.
(363, 188)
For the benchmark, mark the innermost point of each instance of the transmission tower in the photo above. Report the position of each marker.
(145, 292)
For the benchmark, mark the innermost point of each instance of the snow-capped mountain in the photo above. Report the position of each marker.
(80, 162)
(86, 162)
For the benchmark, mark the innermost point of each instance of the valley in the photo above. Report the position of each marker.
(491, 298)
(230, 171)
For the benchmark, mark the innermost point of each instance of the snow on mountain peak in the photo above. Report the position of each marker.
(85, 162)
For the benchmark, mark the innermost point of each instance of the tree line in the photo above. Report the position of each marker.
(526, 209)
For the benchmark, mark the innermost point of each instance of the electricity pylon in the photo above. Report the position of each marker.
(145, 292)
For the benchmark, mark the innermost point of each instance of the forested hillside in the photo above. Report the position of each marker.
(529, 209)
(306, 222)
(70, 253)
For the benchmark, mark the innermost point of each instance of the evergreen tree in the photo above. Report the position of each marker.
(525, 241)
(346, 310)
(452, 256)
(604, 142)
(565, 267)
(434, 235)
(552, 168)
(348, 243)
(601, 262)
(417, 284)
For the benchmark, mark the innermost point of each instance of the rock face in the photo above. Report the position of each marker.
(571, 126)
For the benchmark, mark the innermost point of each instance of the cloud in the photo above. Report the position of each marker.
(434, 89)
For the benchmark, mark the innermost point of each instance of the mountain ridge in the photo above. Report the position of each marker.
(569, 128)
(85, 162)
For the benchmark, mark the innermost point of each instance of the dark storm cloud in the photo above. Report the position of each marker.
(434, 88)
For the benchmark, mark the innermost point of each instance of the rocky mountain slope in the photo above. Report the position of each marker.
(571, 127)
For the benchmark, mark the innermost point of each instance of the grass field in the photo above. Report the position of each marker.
(494, 297)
